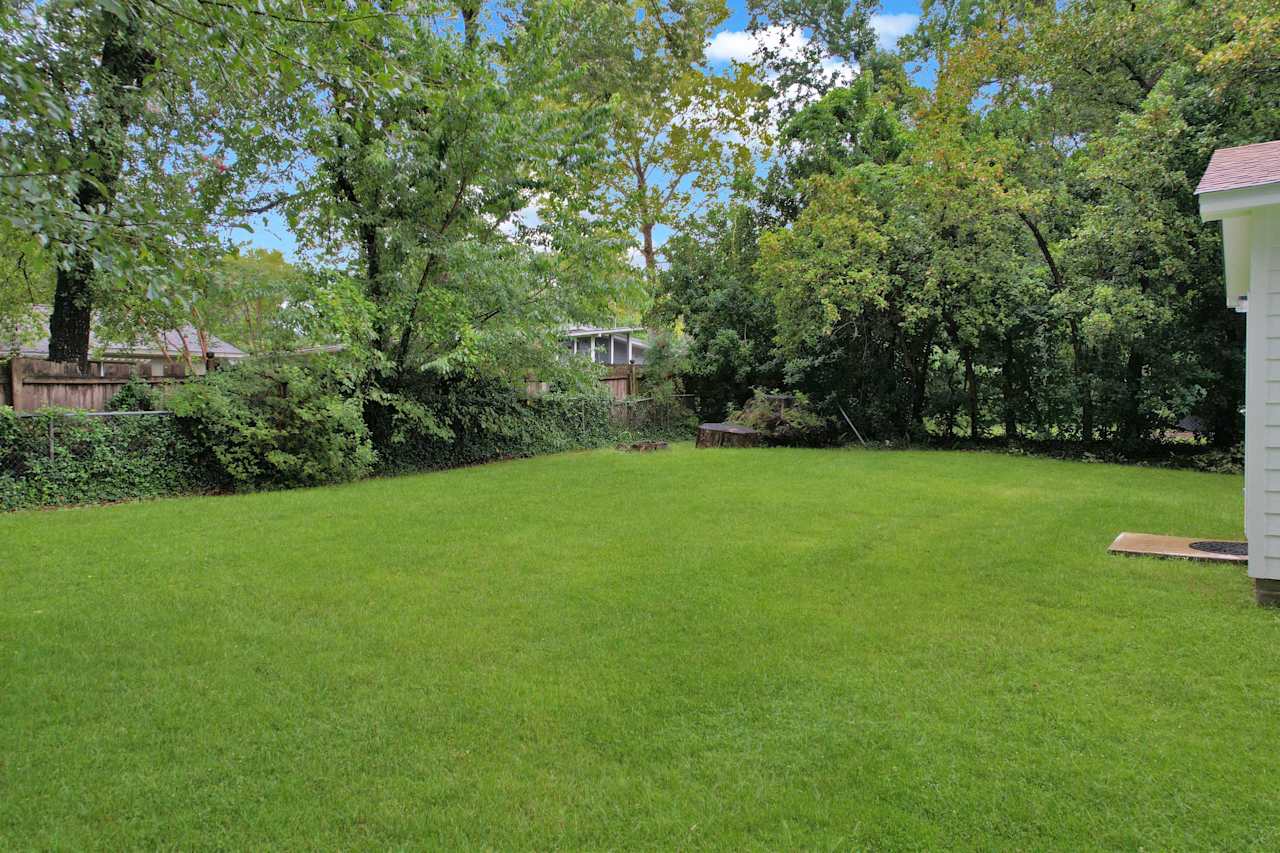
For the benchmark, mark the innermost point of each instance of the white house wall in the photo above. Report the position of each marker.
(1235, 242)
(1262, 392)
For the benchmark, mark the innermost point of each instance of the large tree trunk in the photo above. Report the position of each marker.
(69, 325)
(125, 63)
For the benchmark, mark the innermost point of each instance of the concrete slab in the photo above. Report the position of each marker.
(1151, 545)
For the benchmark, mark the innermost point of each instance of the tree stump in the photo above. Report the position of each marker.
(727, 435)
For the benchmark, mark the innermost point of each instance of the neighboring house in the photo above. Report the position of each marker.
(607, 346)
(187, 346)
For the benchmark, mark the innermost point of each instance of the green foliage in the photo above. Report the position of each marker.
(809, 47)
(678, 131)
(1015, 253)
(129, 154)
(710, 288)
(26, 280)
(1228, 460)
(666, 363)
(856, 310)
(250, 298)
(458, 202)
(479, 422)
(787, 419)
(277, 423)
(93, 459)
(136, 395)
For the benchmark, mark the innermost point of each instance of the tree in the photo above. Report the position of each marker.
(854, 324)
(863, 122)
(710, 290)
(26, 281)
(252, 299)
(677, 133)
(1021, 244)
(126, 151)
(457, 202)
(1099, 114)
(809, 47)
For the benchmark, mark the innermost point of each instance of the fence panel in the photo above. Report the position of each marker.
(29, 383)
(641, 412)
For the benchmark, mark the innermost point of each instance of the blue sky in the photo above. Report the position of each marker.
(895, 18)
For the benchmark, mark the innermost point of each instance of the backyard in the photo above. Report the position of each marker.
(775, 649)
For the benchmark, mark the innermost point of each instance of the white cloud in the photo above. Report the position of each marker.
(890, 28)
(731, 46)
(635, 257)
(742, 46)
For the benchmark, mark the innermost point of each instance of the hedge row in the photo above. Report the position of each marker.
(473, 428)
(92, 459)
(285, 424)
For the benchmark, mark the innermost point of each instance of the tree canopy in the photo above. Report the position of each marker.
(1011, 250)
(1016, 250)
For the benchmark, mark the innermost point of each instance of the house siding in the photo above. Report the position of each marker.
(1262, 396)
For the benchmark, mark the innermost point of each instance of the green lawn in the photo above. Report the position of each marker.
(771, 648)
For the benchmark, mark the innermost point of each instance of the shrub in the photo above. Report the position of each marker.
(136, 395)
(294, 422)
(786, 419)
(93, 459)
(464, 423)
(277, 423)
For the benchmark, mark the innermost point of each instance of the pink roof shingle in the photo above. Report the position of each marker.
(1242, 167)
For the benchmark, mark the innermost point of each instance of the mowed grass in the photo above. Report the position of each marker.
(718, 649)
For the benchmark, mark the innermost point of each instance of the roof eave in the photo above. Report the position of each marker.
(1225, 204)
(583, 332)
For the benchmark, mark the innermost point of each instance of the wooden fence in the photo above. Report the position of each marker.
(28, 384)
(621, 381)
(640, 412)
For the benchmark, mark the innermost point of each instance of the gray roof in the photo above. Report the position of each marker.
(1242, 167)
(591, 331)
(172, 343)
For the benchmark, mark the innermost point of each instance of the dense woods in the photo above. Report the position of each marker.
(1014, 251)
